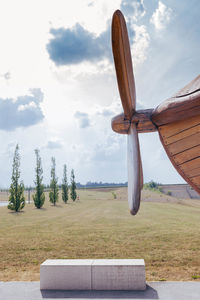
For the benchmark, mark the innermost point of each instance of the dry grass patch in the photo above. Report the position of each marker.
(165, 234)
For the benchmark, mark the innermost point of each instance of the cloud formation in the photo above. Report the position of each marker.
(132, 8)
(140, 44)
(22, 112)
(6, 75)
(107, 112)
(74, 45)
(54, 145)
(83, 119)
(162, 16)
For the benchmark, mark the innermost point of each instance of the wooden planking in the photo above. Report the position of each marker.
(196, 180)
(189, 107)
(184, 144)
(177, 127)
(183, 134)
(194, 172)
(180, 106)
(192, 86)
(178, 121)
(187, 155)
(190, 165)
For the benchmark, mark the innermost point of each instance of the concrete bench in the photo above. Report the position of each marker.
(93, 274)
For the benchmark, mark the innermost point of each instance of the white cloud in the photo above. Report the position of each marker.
(83, 119)
(162, 16)
(54, 144)
(23, 111)
(133, 9)
(140, 44)
(6, 75)
(26, 106)
(81, 95)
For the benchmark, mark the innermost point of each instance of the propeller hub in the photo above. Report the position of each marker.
(142, 119)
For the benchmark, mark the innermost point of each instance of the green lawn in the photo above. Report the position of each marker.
(166, 233)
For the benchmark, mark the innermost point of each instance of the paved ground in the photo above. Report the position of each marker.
(155, 290)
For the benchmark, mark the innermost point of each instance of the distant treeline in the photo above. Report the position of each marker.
(88, 185)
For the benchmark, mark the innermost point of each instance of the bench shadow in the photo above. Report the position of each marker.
(149, 293)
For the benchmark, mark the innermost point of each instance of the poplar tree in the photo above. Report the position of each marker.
(73, 186)
(54, 190)
(16, 198)
(65, 185)
(39, 196)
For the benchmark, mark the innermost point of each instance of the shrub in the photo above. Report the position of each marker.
(39, 196)
(53, 194)
(16, 199)
(114, 195)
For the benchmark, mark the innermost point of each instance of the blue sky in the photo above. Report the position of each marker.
(58, 86)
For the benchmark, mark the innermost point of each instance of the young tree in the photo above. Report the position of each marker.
(39, 196)
(73, 186)
(65, 185)
(53, 194)
(16, 199)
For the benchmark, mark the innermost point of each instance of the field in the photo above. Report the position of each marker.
(166, 233)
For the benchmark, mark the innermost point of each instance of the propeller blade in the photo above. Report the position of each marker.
(135, 176)
(141, 171)
(123, 64)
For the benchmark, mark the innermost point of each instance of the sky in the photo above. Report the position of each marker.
(58, 89)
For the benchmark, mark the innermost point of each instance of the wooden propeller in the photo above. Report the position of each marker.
(177, 120)
(126, 85)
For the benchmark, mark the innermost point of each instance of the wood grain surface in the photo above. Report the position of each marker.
(176, 127)
(142, 119)
(123, 64)
(120, 125)
(185, 104)
(135, 177)
(187, 155)
(181, 141)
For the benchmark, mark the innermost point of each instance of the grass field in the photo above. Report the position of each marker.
(166, 233)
